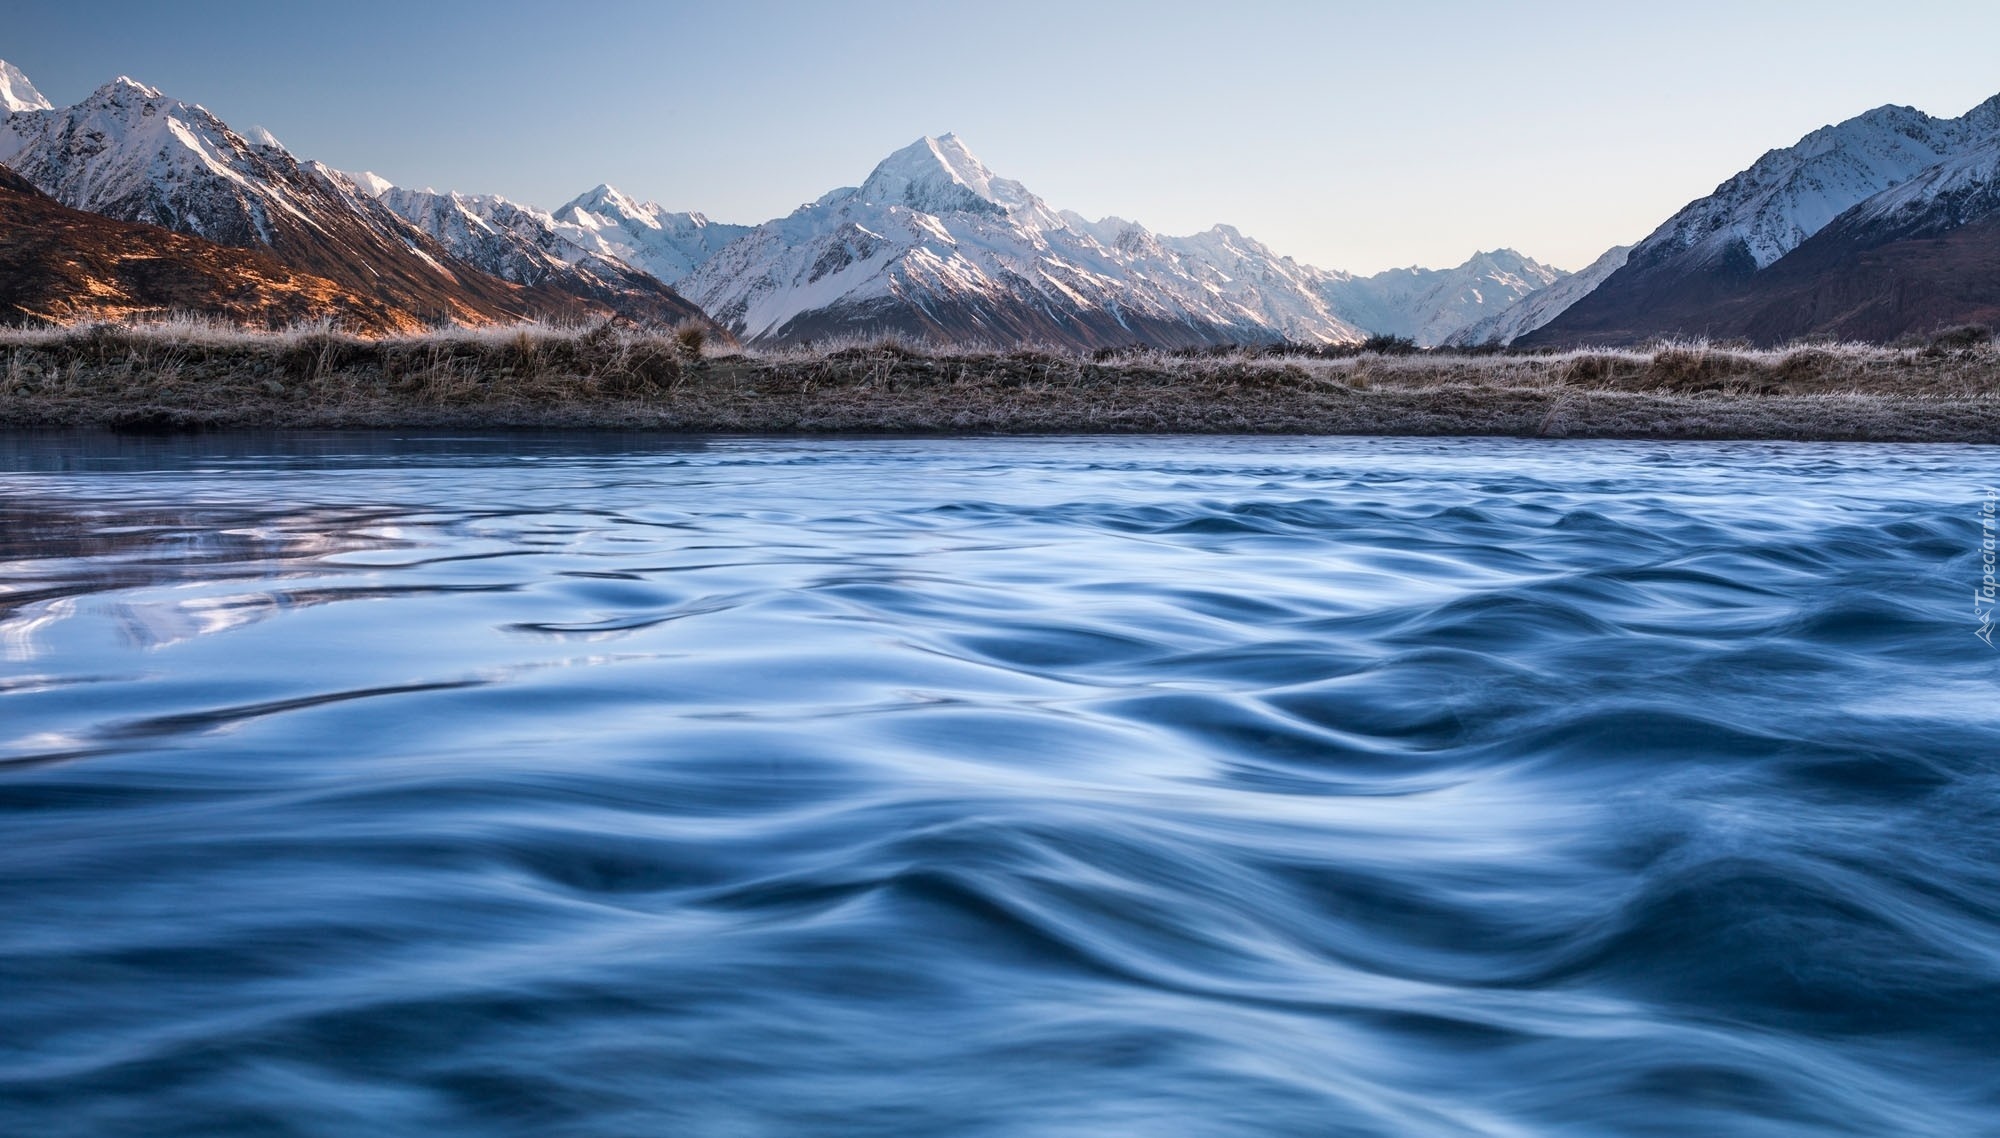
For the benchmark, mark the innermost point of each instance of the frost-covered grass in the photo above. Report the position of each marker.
(191, 373)
(1959, 362)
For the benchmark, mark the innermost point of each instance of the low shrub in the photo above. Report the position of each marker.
(1386, 345)
(691, 338)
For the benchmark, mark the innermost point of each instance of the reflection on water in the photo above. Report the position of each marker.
(593, 785)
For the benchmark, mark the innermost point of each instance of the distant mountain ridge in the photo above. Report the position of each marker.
(1430, 306)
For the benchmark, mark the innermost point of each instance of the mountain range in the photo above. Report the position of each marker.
(935, 245)
(1876, 227)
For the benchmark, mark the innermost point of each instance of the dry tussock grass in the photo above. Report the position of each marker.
(190, 373)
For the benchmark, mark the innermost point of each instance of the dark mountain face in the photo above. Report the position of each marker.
(1854, 284)
(1646, 299)
(61, 265)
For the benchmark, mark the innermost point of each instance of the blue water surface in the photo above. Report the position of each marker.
(579, 785)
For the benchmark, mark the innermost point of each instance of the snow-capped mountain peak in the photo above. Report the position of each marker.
(940, 175)
(933, 243)
(17, 94)
(129, 151)
(1983, 119)
(606, 198)
(371, 183)
(258, 136)
(126, 87)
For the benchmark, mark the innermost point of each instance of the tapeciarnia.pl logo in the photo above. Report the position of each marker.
(1983, 598)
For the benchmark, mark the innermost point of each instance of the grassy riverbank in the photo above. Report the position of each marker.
(194, 376)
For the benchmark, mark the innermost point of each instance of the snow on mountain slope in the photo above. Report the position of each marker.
(455, 221)
(1541, 306)
(1791, 193)
(17, 94)
(130, 152)
(1424, 304)
(644, 235)
(1962, 189)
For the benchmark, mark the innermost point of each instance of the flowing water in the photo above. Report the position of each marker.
(363, 785)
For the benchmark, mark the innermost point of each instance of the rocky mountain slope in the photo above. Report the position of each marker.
(1281, 295)
(131, 153)
(1703, 256)
(60, 265)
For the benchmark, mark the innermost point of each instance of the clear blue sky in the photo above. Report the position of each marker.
(1354, 136)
